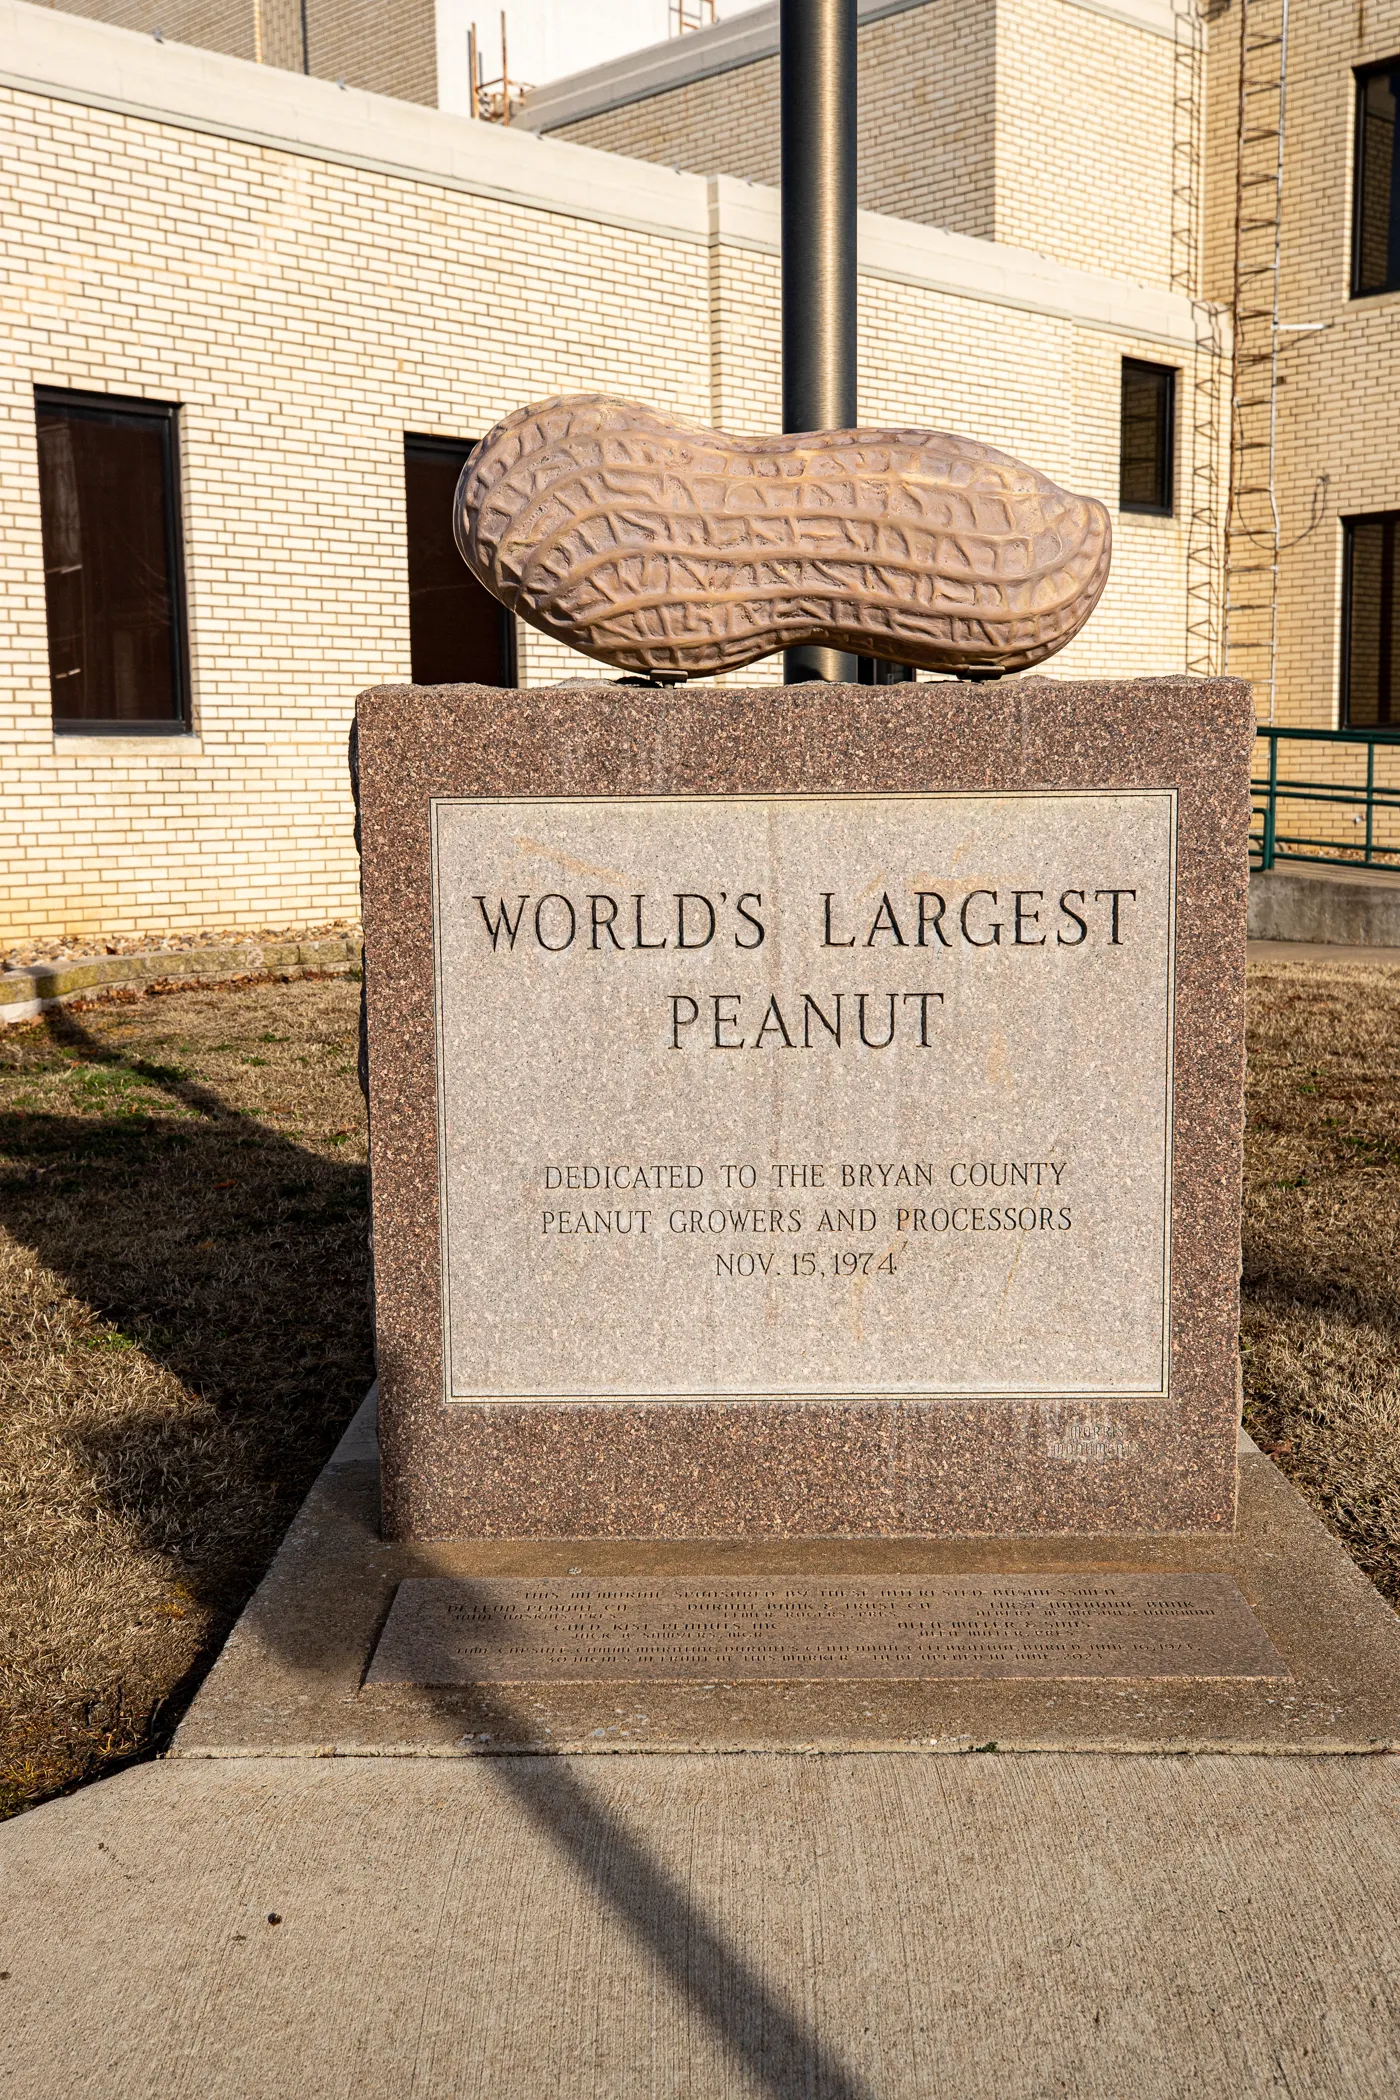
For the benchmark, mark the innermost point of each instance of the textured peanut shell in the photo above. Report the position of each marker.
(657, 546)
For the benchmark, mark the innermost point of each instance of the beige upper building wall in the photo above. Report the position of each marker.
(309, 274)
(1043, 123)
(927, 101)
(390, 50)
(1084, 117)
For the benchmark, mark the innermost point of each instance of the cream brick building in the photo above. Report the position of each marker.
(1046, 124)
(1106, 134)
(1337, 398)
(392, 50)
(303, 274)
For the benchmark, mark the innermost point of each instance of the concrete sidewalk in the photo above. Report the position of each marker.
(669, 1923)
(766, 1925)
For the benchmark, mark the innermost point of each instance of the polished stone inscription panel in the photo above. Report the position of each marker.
(642, 1629)
(805, 1096)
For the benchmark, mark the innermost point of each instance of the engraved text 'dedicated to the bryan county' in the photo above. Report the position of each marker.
(805, 1096)
(806, 1112)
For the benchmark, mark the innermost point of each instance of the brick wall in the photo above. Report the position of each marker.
(304, 315)
(927, 116)
(215, 25)
(305, 309)
(389, 49)
(1084, 138)
(1339, 397)
(1041, 123)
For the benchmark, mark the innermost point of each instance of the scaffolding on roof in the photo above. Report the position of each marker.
(496, 101)
(1201, 410)
(1251, 516)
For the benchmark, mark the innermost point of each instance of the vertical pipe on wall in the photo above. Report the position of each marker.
(818, 93)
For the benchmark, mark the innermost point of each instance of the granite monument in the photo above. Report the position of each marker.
(807, 1112)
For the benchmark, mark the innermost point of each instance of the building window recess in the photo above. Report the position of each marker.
(1147, 431)
(1375, 243)
(113, 580)
(1370, 633)
(458, 634)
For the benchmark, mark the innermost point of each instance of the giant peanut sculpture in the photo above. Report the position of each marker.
(660, 547)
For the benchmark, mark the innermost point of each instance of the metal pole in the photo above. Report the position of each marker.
(818, 71)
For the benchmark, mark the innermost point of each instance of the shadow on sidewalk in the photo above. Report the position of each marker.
(217, 1285)
(763, 2033)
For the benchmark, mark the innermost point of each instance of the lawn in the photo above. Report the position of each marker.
(1320, 1327)
(183, 1290)
(184, 1330)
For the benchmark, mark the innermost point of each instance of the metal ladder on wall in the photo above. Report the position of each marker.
(1201, 412)
(1251, 517)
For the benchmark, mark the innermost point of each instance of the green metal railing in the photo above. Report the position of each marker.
(1364, 797)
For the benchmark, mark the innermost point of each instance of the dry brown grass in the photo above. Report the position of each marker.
(185, 1328)
(1321, 1318)
(183, 1278)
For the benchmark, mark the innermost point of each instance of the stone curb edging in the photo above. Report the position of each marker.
(1355, 907)
(37, 987)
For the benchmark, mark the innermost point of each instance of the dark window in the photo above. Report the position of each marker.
(113, 587)
(458, 633)
(1370, 635)
(1375, 240)
(1148, 423)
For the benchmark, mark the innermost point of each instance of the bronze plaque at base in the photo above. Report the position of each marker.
(806, 1112)
(805, 1629)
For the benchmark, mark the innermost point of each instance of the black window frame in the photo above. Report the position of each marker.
(166, 414)
(883, 670)
(1171, 374)
(457, 449)
(1391, 718)
(1362, 75)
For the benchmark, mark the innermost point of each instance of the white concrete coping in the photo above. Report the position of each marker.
(747, 215)
(742, 41)
(36, 988)
(46, 52)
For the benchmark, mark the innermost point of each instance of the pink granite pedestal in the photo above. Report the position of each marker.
(539, 1385)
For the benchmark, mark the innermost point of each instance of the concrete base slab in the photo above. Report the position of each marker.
(712, 1928)
(290, 1681)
